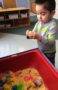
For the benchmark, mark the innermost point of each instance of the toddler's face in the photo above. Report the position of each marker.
(43, 14)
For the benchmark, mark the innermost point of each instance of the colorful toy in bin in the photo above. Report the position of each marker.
(30, 59)
(20, 86)
(28, 79)
(15, 87)
(1, 83)
(1, 88)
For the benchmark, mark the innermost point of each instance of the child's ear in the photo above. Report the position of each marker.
(52, 13)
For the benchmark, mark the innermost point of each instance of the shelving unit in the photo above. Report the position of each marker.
(14, 17)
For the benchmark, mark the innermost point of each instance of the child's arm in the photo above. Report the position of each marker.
(33, 34)
(37, 36)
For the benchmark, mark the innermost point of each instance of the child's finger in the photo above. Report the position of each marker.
(30, 33)
(27, 32)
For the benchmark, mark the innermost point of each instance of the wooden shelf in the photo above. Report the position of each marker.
(14, 17)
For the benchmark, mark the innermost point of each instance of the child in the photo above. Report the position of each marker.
(45, 29)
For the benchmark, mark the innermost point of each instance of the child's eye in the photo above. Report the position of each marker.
(43, 13)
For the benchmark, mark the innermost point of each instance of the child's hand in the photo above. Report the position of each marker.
(27, 33)
(30, 34)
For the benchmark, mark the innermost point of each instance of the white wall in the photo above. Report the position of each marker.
(56, 14)
(23, 3)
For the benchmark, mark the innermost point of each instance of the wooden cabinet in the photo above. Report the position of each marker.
(14, 17)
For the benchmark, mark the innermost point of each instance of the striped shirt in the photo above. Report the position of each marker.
(48, 33)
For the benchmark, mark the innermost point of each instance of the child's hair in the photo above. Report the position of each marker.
(48, 4)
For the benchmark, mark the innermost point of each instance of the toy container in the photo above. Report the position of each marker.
(34, 59)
